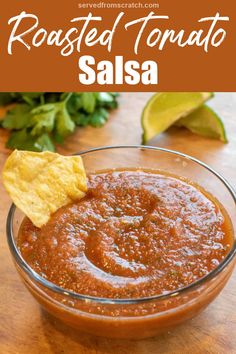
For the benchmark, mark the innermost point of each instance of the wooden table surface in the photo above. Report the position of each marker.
(25, 328)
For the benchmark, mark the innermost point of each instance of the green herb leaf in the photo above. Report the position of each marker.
(81, 119)
(41, 118)
(31, 95)
(44, 143)
(88, 101)
(98, 118)
(21, 140)
(74, 104)
(17, 118)
(5, 98)
(105, 97)
(64, 123)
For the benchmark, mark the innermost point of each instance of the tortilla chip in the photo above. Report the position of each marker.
(41, 183)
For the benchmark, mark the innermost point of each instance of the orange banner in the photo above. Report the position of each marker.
(118, 45)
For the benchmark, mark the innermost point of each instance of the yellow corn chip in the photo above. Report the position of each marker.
(40, 183)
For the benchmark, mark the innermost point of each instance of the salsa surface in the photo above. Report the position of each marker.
(135, 234)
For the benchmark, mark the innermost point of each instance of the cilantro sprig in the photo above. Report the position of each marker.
(38, 120)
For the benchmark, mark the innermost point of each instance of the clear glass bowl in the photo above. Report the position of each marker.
(133, 318)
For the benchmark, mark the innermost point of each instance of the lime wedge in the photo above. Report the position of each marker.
(204, 121)
(165, 108)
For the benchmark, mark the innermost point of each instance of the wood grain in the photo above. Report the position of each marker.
(25, 328)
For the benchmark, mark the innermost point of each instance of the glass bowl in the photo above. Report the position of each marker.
(143, 317)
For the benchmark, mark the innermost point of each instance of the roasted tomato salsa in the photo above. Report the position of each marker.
(135, 234)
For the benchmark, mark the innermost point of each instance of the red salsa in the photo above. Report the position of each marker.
(135, 234)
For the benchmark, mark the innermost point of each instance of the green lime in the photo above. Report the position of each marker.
(165, 108)
(204, 121)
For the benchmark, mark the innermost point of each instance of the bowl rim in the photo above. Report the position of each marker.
(56, 288)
